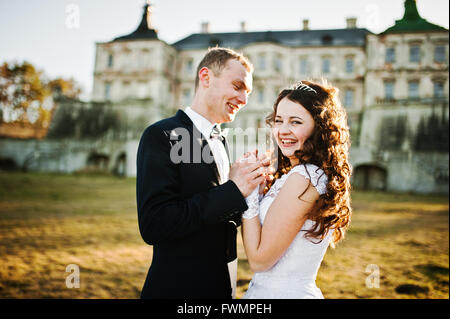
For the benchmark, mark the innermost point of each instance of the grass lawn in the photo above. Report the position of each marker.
(48, 222)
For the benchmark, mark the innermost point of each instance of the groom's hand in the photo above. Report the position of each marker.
(248, 173)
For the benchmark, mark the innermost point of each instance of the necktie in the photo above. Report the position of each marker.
(216, 132)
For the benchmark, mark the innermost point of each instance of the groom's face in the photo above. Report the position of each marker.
(229, 91)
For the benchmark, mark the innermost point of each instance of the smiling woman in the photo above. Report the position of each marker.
(293, 125)
(306, 206)
(322, 138)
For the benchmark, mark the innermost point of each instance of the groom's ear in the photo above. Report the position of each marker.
(204, 77)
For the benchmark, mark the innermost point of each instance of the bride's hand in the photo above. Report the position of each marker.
(266, 169)
(262, 186)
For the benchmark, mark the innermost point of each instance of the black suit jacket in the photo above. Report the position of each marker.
(183, 211)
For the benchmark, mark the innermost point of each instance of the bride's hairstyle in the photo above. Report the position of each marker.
(327, 148)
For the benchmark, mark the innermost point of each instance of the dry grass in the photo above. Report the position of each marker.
(50, 221)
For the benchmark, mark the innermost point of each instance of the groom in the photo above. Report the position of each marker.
(189, 199)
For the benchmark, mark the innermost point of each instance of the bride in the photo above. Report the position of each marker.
(293, 219)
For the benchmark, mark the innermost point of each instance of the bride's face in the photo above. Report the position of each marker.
(292, 127)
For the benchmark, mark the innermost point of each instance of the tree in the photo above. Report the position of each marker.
(23, 96)
(63, 88)
(27, 98)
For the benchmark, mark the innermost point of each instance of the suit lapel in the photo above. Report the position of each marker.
(225, 143)
(206, 149)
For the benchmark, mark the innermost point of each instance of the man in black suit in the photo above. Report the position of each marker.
(189, 199)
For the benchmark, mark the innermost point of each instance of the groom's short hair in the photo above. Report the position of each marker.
(216, 58)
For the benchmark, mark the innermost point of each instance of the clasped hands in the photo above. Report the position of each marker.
(250, 171)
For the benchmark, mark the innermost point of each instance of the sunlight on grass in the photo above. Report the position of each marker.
(50, 221)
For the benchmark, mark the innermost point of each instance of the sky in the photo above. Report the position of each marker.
(59, 36)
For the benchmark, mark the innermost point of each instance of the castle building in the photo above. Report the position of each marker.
(394, 86)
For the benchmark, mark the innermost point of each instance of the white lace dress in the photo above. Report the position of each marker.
(294, 275)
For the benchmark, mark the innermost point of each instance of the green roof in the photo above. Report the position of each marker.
(412, 21)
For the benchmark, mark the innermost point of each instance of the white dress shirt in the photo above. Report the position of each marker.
(223, 166)
(217, 148)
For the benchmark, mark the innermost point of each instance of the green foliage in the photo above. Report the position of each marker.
(64, 89)
(22, 90)
(27, 96)
(87, 121)
(393, 132)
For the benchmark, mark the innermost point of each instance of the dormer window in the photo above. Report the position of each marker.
(213, 41)
(327, 39)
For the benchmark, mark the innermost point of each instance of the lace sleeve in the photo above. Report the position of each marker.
(253, 204)
(314, 174)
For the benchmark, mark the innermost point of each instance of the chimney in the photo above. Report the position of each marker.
(351, 23)
(205, 27)
(243, 26)
(305, 24)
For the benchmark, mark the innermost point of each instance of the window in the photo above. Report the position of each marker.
(189, 66)
(438, 89)
(389, 90)
(326, 65)
(413, 89)
(390, 55)
(260, 95)
(414, 53)
(277, 91)
(277, 65)
(349, 65)
(262, 61)
(303, 65)
(439, 54)
(107, 90)
(110, 61)
(348, 98)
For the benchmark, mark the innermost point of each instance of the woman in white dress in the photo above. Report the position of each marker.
(293, 219)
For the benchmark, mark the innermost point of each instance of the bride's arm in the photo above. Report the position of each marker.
(264, 245)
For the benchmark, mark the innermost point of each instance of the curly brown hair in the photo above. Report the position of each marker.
(327, 148)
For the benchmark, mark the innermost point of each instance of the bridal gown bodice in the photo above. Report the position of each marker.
(294, 275)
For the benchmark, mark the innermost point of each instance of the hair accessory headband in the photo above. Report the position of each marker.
(304, 87)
